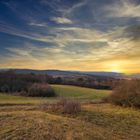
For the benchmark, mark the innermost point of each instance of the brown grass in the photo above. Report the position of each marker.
(95, 122)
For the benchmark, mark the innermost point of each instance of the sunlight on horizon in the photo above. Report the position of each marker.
(114, 67)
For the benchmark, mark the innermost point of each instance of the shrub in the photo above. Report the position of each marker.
(12, 82)
(5, 88)
(40, 90)
(69, 106)
(72, 107)
(127, 93)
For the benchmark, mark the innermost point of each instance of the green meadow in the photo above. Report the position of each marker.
(82, 94)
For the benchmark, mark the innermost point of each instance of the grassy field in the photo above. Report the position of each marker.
(82, 94)
(24, 119)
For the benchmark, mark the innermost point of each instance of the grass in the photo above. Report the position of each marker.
(39, 125)
(120, 120)
(10, 99)
(83, 94)
(95, 122)
(79, 92)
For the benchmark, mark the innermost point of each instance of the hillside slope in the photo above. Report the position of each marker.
(82, 94)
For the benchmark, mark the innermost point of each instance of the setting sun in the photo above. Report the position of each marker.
(115, 68)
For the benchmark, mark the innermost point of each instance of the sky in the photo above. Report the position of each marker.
(82, 35)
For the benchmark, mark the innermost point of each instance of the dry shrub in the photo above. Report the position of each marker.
(40, 90)
(67, 106)
(70, 106)
(127, 94)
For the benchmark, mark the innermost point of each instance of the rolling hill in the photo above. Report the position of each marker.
(82, 94)
(68, 73)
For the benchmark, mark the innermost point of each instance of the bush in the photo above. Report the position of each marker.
(127, 93)
(13, 82)
(40, 90)
(4, 88)
(69, 106)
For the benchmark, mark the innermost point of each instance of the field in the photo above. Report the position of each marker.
(22, 118)
(82, 94)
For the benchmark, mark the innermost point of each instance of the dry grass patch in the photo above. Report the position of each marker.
(41, 126)
(94, 122)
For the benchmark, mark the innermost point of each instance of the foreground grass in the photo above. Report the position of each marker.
(95, 122)
(22, 118)
(82, 94)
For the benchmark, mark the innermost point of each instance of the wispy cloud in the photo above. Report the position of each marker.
(11, 30)
(123, 8)
(69, 11)
(97, 55)
(65, 10)
(61, 20)
(38, 24)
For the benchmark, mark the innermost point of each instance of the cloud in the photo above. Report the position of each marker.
(122, 52)
(75, 41)
(72, 9)
(38, 24)
(123, 8)
(62, 20)
(61, 37)
(11, 30)
(65, 9)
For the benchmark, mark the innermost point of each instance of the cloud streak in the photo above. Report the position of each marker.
(123, 8)
(61, 20)
(38, 24)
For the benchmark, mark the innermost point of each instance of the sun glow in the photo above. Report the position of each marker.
(115, 67)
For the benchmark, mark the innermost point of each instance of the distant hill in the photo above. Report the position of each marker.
(135, 76)
(110, 74)
(68, 73)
